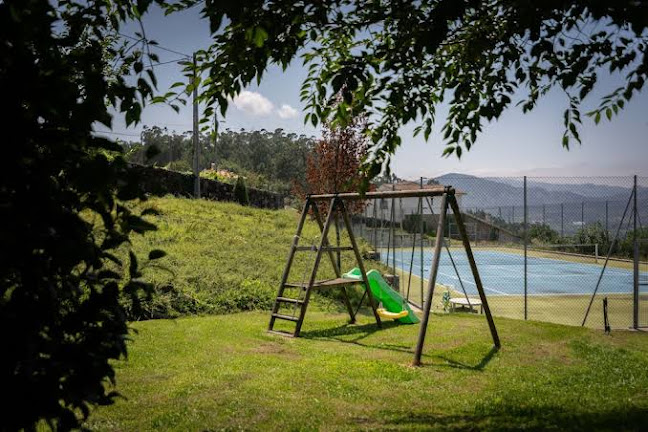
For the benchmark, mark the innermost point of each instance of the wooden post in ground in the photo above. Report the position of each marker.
(358, 256)
(427, 306)
(334, 263)
(473, 268)
(318, 258)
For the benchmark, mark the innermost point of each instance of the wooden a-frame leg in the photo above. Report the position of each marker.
(475, 272)
(289, 260)
(318, 258)
(427, 306)
(365, 280)
(336, 269)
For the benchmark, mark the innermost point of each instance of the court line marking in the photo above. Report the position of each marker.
(473, 283)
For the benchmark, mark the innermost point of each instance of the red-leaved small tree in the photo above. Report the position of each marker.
(334, 165)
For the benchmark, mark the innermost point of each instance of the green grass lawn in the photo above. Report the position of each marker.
(226, 373)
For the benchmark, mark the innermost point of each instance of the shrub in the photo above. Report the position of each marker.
(241, 192)
(61, 319)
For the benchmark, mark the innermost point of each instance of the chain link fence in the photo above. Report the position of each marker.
(547, 248)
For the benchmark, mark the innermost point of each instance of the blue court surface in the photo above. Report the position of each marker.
(502, 273)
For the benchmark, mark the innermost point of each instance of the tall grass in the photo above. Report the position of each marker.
(224, 257)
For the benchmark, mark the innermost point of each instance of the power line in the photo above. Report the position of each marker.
(154, 45)
(116, 133)
(167, 62)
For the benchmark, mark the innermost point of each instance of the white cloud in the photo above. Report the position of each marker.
(287, 112)
(253, 103)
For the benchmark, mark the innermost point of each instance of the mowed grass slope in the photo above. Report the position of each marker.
(226, 373)
(223, 257)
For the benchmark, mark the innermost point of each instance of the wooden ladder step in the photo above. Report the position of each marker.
(285, 317)
(281, 333)
(289, 300)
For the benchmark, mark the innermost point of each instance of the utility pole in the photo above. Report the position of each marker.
(215, 136)
(196, 140)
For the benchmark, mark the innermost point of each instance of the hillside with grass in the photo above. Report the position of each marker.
(224, 257)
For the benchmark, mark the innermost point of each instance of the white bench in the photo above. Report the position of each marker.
(463, 303)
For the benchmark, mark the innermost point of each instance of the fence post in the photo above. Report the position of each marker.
(607, 230)
(393, 231)
(635, 244)
(364, 222)
(374, 229)
(526, 241)
(422, 229)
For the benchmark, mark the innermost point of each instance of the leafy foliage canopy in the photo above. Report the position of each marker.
(63, 211)
(397, 61)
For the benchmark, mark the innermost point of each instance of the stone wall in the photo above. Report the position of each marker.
(159, 181)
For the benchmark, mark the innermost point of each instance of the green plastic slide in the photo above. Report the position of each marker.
(390, 299)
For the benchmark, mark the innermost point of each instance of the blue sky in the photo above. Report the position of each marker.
(517, 144)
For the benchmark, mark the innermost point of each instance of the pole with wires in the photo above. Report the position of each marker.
(196, 138)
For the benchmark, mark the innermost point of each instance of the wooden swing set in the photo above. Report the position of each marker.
(337, 206)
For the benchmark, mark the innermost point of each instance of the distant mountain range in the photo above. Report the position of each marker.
(564, 206)
(493, 192)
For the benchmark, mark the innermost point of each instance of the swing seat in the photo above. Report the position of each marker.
(391, 315)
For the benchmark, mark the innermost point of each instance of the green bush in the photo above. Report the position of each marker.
(543, 233)
(241, 192)
(61, 318)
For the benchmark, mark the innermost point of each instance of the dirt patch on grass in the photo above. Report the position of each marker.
(552, 351)
(273, 348)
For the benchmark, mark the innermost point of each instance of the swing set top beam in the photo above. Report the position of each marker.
(414, 193)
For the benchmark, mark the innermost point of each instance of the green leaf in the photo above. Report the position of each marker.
(448, 151)
(260, 36)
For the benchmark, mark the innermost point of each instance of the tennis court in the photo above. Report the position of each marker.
(502, 273)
